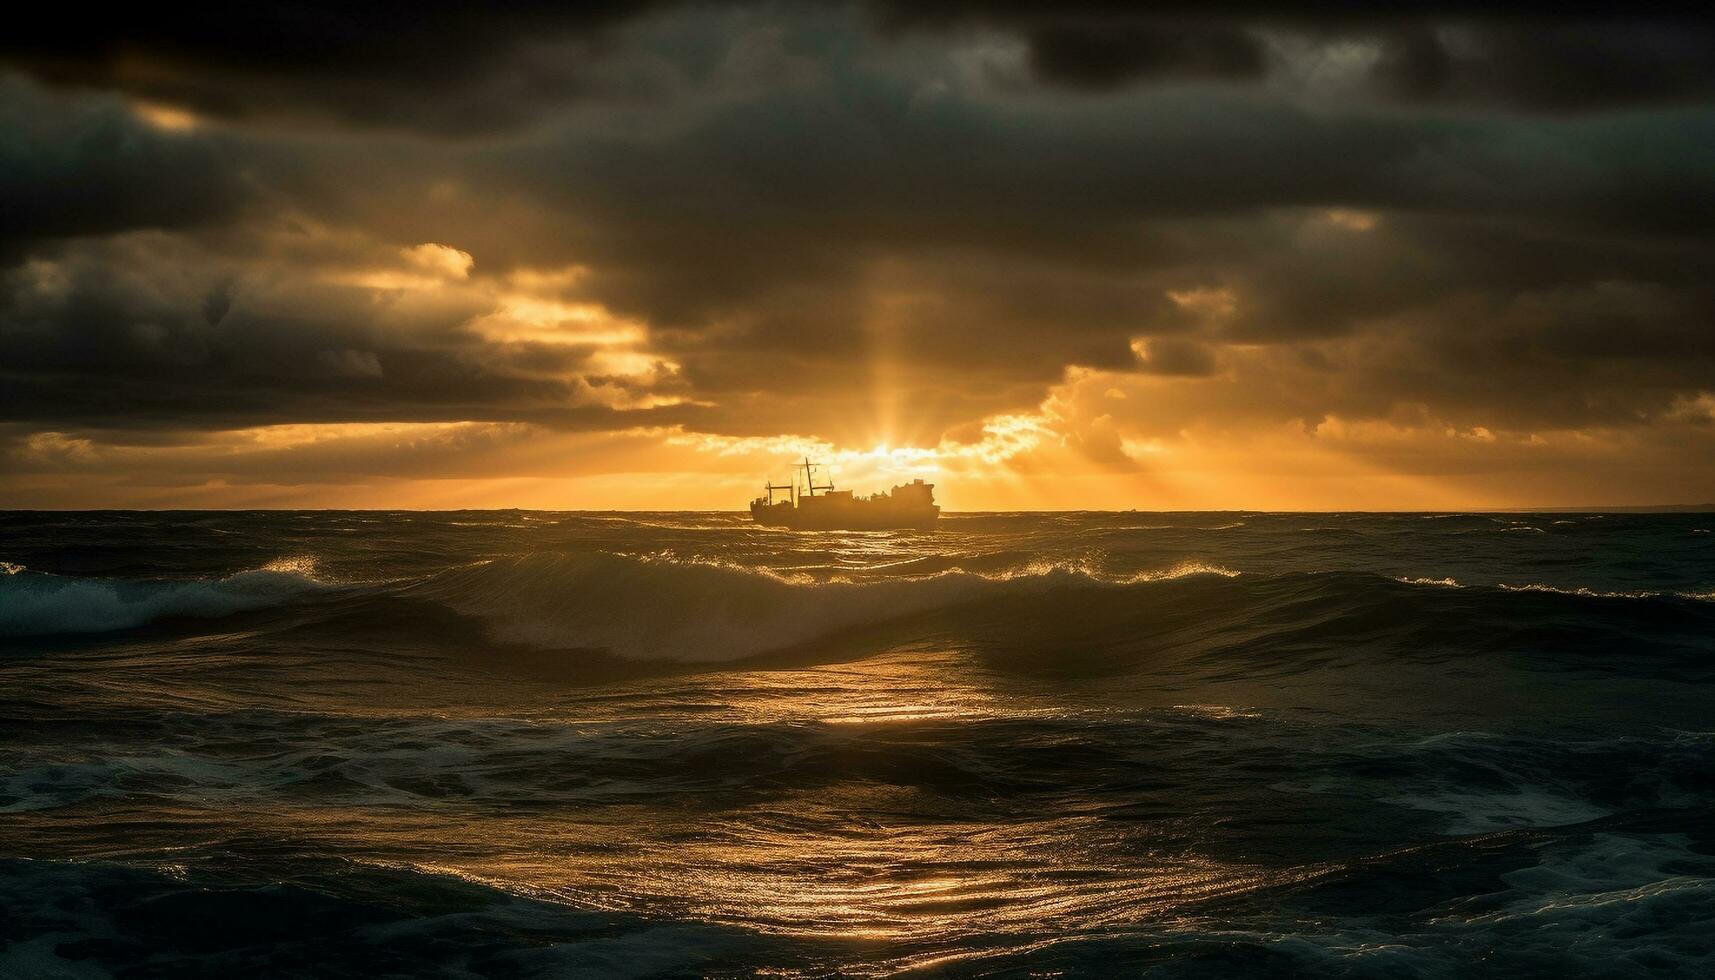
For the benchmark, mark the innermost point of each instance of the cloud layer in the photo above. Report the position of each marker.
(1233, 254)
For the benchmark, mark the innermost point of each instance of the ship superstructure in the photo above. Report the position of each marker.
(812, 506)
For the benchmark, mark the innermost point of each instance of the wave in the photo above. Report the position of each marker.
(360, 917)
(1579, 591)
(40, 603)
(699, 610)
(1588, 593)
(639, 606)
(1184, 569)
(667, 607)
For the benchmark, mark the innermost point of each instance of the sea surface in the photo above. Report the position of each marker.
(527, 744)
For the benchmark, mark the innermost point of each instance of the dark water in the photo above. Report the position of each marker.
(567, 745)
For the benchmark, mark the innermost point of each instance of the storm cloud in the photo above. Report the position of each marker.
(860, 223)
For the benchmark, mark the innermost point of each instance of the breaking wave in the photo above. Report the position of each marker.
(649, 606)
(698, 610)
(39, 603)
(673, 607)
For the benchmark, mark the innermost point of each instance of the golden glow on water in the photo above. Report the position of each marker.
(850, 867)
(845, 867)
(859, 860)
(869, 692)
(852, 849)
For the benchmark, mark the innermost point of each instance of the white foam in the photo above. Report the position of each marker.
(37, 604)
(1445, 583)
(1589, 593)
(1184, 569)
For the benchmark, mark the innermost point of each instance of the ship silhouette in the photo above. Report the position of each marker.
(810, 506)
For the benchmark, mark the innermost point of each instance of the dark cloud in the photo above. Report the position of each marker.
(441, 66)
(80, 167)
(1172, 356)
(838, 220)
(120, 334)
(217, 302)
(1555, 57)
(1013, 247)
(1098, 56)
(1543, 65)
(461, 69)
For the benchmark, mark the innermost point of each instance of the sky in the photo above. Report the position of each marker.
(1335, 256)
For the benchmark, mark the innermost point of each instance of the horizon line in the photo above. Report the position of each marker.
(1698, 508)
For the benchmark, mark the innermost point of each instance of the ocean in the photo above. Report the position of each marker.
(530, 744)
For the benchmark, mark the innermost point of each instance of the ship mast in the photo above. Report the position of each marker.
(809, 469)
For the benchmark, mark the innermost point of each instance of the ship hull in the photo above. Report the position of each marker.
(856, 518)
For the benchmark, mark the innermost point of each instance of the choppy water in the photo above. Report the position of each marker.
(537, 744)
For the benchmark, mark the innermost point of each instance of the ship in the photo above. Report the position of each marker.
(805, 505)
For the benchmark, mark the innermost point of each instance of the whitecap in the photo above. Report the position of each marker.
(1445, 583)
(39, 604)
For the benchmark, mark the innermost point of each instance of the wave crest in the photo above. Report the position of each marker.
(42, 604)
(1588, 593)
(655, 607)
